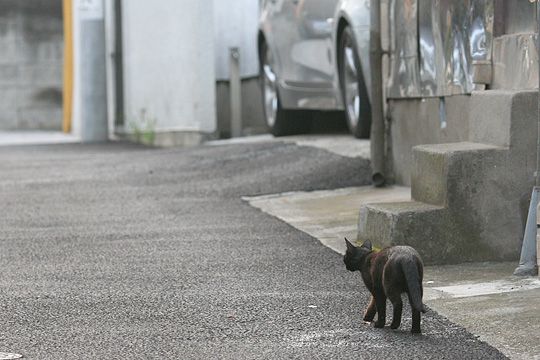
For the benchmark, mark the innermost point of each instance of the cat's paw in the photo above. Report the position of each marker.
(416, 331)
(394, 325)
(368, 319)
(379, 324)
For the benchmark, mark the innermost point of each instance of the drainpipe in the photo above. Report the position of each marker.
(377, 112)
(528, 265)
(118, 58)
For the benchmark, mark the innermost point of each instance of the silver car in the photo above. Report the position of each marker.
(314, 55)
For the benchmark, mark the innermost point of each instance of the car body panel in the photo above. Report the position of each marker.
(303, 35)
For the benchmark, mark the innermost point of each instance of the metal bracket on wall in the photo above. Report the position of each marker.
(442, 113)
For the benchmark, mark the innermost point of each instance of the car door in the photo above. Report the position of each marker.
(302, 39)
(311, 53)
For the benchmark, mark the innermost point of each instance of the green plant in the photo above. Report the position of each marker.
(143, 128)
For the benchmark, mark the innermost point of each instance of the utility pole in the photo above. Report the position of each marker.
(93, 75)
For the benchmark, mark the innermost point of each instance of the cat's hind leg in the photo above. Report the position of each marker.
(416, 317)
(416, 322)
(397, 304)
(371, 310)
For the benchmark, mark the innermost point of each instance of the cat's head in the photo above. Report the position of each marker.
(355, 256)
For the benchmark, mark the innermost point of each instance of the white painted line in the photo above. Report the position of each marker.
(241, 140)
(9, 356)
(487, 288)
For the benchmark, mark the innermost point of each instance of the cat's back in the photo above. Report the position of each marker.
(402, 253)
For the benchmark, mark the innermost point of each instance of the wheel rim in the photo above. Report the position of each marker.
(270, 90)
(350, 85)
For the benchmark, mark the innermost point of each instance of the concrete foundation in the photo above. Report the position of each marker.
(180, 138)
(171, 138)
(252, 111)
(31, 39)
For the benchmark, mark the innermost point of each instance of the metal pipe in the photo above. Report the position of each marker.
(377, 112)
(235, 90)
(537, 173)
(528, 263)
(118, 65)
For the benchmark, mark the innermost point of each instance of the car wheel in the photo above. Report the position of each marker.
(280, 122)
(353, 88)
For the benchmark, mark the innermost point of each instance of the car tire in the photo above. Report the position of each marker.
(353, 89)
(280, 121)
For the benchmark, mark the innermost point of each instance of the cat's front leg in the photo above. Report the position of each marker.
(371, 310)
(380, 302)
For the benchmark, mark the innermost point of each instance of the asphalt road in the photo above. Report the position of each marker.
(122, 252)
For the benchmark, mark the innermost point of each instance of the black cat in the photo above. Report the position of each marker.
(387, 274)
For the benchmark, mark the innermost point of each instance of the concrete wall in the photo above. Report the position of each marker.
(169, 73)
(31, 41)
(419, 122)
(236, 25)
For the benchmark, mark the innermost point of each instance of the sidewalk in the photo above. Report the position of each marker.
(8, 138)
(484, 298)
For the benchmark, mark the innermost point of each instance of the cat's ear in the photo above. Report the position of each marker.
(350, 246)
(367, 245)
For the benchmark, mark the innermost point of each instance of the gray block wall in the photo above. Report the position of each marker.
(31, 60)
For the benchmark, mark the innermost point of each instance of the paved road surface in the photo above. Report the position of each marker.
(121, 252)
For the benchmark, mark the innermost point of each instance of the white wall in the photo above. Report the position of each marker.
(169, 63)
(235, 25)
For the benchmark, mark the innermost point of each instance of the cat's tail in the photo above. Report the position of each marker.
(414, 285)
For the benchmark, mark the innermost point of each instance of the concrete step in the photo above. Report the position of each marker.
(504, 117)
(434, 231)
(438, 168)
(470, 199)
(450, 183)
(402, 223)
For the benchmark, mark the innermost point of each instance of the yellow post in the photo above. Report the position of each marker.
(68, 65)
